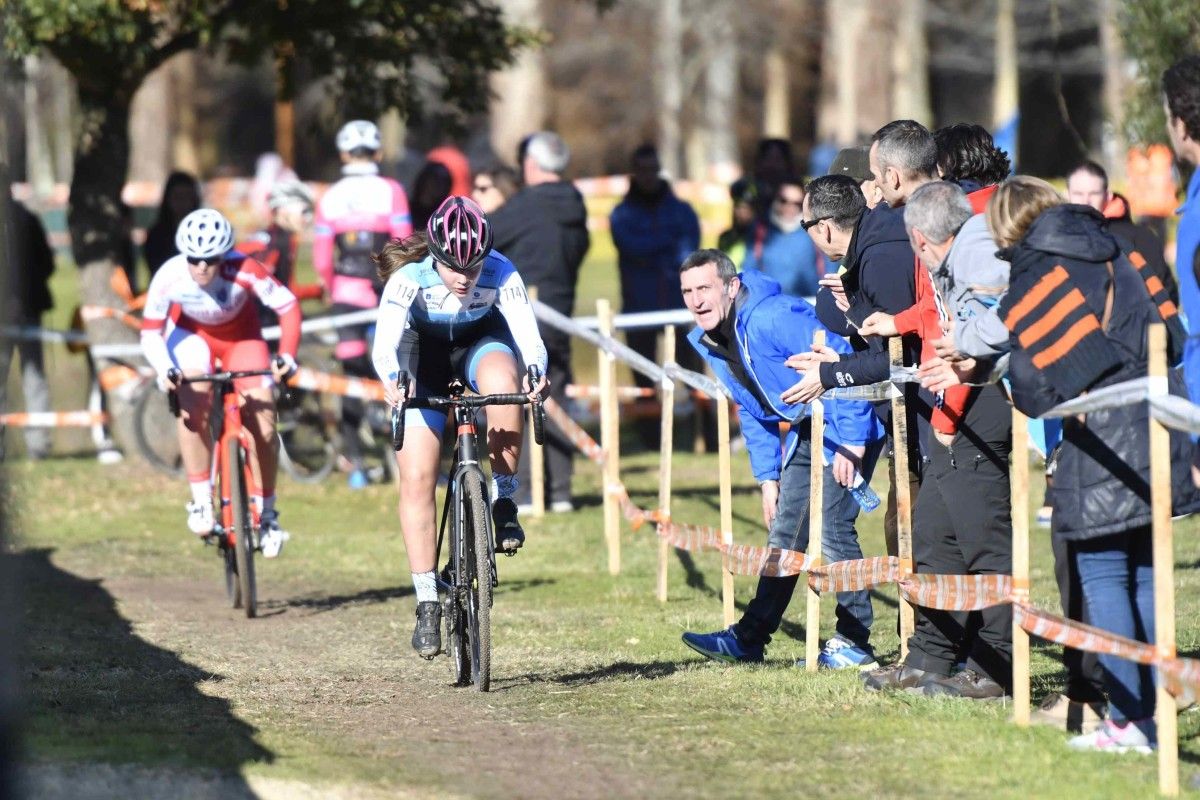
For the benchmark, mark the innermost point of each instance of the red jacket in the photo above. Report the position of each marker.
(924, 320)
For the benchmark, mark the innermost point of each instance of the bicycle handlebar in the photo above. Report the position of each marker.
(440, 403)
(218, 377)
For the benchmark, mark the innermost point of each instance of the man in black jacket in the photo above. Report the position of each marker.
(28, 297)
(542, 229)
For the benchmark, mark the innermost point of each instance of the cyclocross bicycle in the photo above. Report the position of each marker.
(469, 576)
(235, 532)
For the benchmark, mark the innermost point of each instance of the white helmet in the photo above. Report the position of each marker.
(204, 233)
(357, 134)
(286, 192)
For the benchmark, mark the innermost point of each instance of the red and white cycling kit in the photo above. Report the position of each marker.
(355, 218)
(192, 327)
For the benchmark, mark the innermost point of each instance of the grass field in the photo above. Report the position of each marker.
(139, 681)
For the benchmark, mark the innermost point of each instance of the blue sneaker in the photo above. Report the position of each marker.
(723, 646)
(840, 653)
(358, 480)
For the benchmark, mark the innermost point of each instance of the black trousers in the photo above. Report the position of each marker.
(1085, 678)
(559, 451)
(962, 525)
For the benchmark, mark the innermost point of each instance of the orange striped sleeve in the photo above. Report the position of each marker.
(1167, 309)
(1069, 339)
(1052, 319)
(1136, 259)
(1041, 290)
(1154, 284)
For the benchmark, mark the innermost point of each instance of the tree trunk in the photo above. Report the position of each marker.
(1116, 146)
(519, 104)
(1006, 110)
(149, 133)
(720, 96)
(777, 123)
(669, 58)
(93, 216)
(910, 65)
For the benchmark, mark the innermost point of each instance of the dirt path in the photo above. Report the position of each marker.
(317, 681)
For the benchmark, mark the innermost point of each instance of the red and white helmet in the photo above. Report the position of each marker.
(204, 233)
(459, 234)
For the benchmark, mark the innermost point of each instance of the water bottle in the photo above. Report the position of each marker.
(864, 494)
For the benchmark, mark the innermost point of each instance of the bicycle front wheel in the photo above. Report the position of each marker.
(477, 538)
(243, 534)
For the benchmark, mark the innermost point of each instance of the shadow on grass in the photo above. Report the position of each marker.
(617, 671)
(321, 603)
(95, 691)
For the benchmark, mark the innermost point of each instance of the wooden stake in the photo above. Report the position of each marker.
(1019, 484)
(537, 456)
(726, 484)
(610, 440)
(1164, 567)
(816, 525)
(903, 500)
(666, 447)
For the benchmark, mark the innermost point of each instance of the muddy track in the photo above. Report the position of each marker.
(316, 675)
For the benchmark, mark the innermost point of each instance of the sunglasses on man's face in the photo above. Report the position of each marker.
(808, 223)
(211, 260)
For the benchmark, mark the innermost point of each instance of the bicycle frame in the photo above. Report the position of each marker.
(231, 427)
(466, 457)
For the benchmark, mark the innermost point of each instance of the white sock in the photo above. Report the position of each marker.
(426, 585)
(201, 492)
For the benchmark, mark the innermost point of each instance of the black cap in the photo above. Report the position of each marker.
(853, 162)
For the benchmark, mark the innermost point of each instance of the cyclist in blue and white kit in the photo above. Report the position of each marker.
(453, 307)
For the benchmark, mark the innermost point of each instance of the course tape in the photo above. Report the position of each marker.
(944, 592)
(314, 381)
(54, 419)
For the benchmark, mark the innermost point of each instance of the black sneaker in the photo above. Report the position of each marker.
(509, 536)
(427, 635)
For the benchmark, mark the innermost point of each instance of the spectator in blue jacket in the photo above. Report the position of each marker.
(780, 247)
(746, 330)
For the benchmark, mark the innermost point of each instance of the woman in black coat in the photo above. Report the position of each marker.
(180, 197)
(1078, 312)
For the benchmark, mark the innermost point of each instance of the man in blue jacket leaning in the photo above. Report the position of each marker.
(746, 330)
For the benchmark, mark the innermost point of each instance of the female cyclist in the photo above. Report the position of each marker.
(198, 314)
(453, 307)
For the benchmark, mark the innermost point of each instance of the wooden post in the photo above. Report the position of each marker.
(726, 484)
(816, 526)
(903, 501)
(610, 433)
(1019, 486)
(537, 455)
(666, 447)
(1164, 567)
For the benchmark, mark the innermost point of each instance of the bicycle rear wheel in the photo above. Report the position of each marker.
(306, 445)
(477, 540)
(155, 431)
(243, 535)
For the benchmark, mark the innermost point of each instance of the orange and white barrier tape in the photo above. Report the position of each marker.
(54, 419)
(90, 313)
(313, 381)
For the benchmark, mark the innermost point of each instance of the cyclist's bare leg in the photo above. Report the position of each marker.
(258, 414)
(195, 447)
(417, 464)
(497, 374)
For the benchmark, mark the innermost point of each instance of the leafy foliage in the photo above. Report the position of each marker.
(1155, 33)
(374, 52)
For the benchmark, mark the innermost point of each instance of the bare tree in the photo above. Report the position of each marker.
(669, 79)
(520, 104)
(720, 92)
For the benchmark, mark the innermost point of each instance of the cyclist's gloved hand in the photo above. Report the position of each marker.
(283, 367)
(169, 381)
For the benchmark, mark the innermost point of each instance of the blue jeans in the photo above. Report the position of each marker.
(1117, 575)
(839, 542)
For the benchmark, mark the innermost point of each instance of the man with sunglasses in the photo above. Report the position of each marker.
(780, 247)
(198, 314)
(453, 307)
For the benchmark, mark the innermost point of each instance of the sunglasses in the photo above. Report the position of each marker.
(808, 223)
(211, 260)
